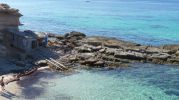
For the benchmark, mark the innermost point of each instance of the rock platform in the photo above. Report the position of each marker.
(109, 52)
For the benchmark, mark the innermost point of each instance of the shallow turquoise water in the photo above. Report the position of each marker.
(141, 82)
(151, 22)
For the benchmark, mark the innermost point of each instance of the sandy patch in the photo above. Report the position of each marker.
(13, 89)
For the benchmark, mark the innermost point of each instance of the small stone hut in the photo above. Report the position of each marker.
(25, 41)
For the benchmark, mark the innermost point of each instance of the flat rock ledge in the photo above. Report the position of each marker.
(109, 52)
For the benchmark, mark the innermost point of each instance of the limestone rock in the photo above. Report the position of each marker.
(89, 62)
(151, 50)
(9, 17)
(94, 43)
(60, 37)
(99, 63)
(177, 53)
(85, 55)
(74, 34)
(96, 48)
(161, 56)
(112, 53)
(130, 55)
(111, 45)
(102, 50)
(83, 49)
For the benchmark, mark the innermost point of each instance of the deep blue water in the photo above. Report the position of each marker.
(153, 22)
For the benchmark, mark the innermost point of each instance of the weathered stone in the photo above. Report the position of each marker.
(160, 56)
(157, 61)
(171, 47)
(102, 50)
(99, 63)
(74, 34)
(94, 43)
(83, 49)
(89, 62)
(96, 48)
(108, 58)
(73, 58)
(42, 63)
(85, 55)
(60, 37)
(140, 55)
(176, 61)
(121, 60)
(140, 49)
(110, 52)
(172, 52)
(150, 50)
(111, 45)
(130, 55)
(177, 53)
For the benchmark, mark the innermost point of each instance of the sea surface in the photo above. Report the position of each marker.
(152, 22)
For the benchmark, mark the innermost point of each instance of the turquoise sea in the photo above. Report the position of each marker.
(153, 22)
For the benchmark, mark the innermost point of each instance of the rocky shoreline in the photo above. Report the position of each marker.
(96, 52)
(76, 50)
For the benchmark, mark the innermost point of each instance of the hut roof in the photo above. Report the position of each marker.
(28, 34)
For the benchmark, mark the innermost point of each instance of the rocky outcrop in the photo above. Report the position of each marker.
(9, 17)
(111, 52)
